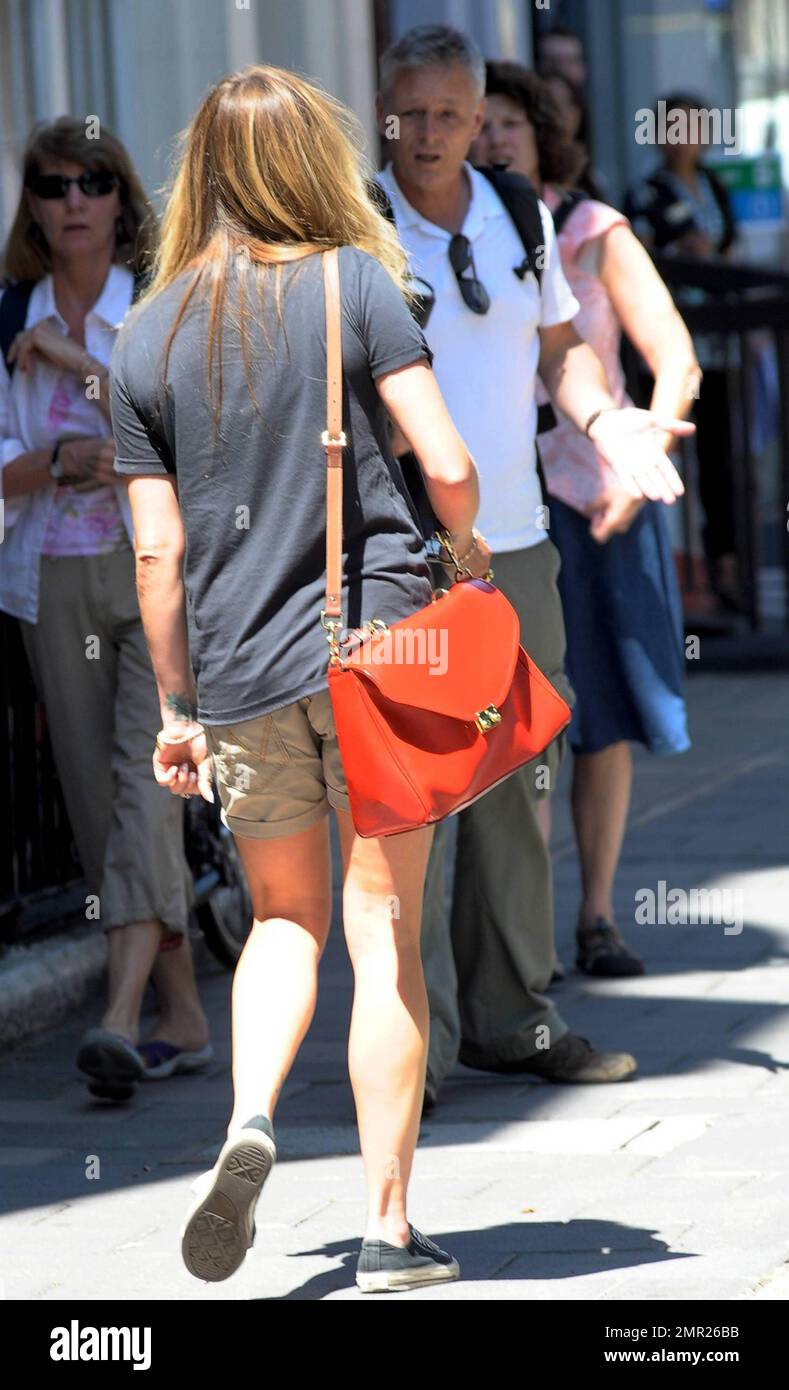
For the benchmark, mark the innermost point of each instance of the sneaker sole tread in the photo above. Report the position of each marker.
(219, 1229)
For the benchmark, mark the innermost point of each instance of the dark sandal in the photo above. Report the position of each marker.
(602, 954)
(112, 1064)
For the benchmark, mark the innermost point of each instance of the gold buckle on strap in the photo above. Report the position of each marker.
(333, 441)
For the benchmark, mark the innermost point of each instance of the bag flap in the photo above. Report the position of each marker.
(455, 657)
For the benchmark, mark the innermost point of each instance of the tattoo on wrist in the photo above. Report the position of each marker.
(181, 706)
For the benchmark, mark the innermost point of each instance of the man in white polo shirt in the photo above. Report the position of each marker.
(491, 328)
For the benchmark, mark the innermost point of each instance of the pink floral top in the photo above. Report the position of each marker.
(573, 471)
(80, 523)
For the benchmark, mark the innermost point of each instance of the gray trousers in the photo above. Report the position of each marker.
(488, 957)
(93, 673)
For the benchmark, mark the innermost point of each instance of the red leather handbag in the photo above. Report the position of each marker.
(435, 710)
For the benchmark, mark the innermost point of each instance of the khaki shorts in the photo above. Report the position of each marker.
(278, 774)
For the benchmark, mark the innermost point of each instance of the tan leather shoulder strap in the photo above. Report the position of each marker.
(333, 439)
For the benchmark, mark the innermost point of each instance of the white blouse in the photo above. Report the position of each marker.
(28, 421)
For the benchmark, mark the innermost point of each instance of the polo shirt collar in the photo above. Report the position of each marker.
(110, 307)
(484, 204)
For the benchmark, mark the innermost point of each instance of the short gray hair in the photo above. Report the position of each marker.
(432, 45)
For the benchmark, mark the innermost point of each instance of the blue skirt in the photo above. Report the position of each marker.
(625, 640)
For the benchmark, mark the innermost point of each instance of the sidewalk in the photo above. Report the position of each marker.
(674, 1185)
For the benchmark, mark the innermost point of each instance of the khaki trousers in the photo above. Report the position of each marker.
(93, 672)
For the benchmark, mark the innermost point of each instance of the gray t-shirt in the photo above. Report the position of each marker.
(253, 498)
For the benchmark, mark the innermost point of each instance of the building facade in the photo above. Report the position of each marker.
(144, 65)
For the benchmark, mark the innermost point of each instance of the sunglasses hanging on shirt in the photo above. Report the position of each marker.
(96, 183)
(461, 257)
(475, 296)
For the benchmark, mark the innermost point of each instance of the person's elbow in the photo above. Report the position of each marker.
(158, 548)
(454, 468)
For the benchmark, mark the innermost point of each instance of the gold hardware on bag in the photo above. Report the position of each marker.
(330, 627)
(376, 625)
(337, 441)
(487, 719)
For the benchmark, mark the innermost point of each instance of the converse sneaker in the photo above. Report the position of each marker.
(386, 1268)
(220, 1226)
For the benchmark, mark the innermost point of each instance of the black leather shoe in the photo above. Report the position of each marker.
(603, 954)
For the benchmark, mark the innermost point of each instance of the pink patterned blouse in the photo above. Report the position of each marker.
(80, 522)
(573, 471)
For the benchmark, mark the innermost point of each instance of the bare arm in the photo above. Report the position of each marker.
(647, 313)
(415, 404)
(573, 374)
(27, 473)
(159, 551)
(183, 766)
(627, 439)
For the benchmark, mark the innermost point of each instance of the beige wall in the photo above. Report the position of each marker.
(144, 65)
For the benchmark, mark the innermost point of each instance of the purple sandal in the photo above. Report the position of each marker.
(163, 1059)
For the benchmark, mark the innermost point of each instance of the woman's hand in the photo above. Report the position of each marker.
(613, 513)
(184, 767)
(46, 342)
(89, 458)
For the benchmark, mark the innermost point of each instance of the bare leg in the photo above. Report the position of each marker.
(600, 801)
(132, 951)
(390, 1022)
(276, 980)
(182, 1020)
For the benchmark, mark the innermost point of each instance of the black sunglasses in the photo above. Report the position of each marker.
(96, 183)
(461, 257)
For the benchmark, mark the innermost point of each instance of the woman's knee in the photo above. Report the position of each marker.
(377, 924)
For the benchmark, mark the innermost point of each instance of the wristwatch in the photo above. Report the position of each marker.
(56, 469)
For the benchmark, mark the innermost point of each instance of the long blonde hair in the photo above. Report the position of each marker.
(272, 170)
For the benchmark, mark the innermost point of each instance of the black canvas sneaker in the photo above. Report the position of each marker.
(384, 1268)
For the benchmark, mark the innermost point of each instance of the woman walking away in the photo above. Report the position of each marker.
(218, 406)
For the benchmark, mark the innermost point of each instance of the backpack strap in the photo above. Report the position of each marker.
(569, 203)
(13, 312)
(520, 199)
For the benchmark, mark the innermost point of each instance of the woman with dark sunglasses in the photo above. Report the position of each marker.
(82, 237)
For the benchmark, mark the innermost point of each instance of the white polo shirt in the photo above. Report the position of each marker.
(486, 364)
